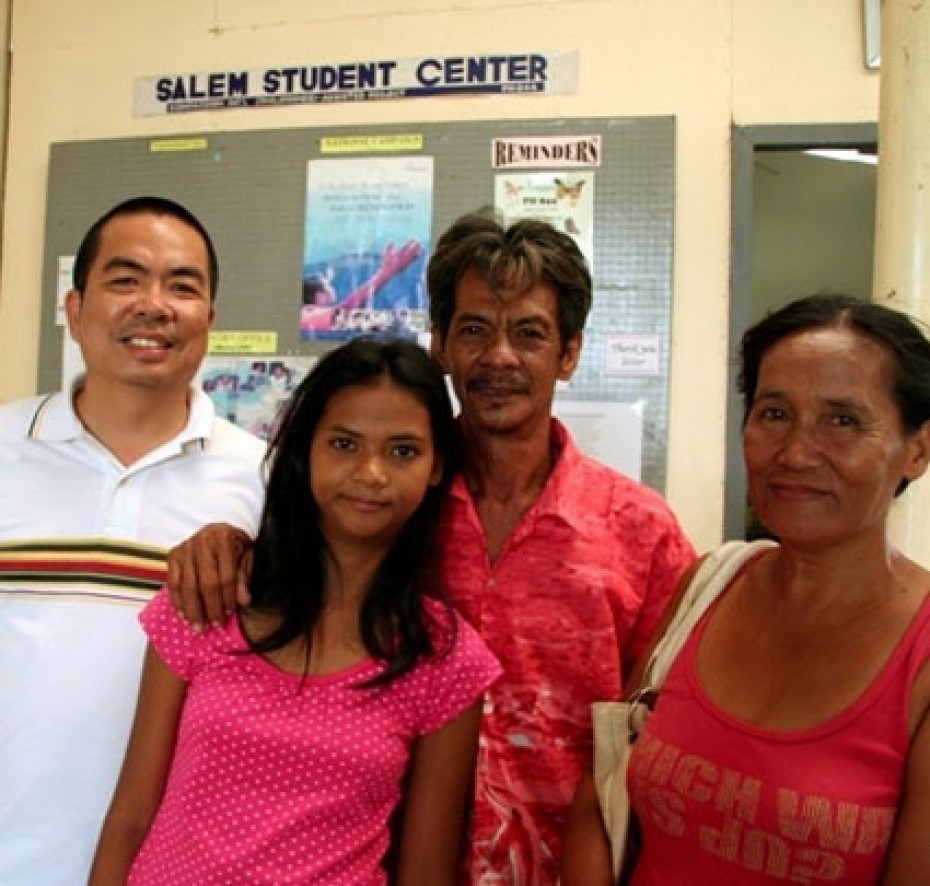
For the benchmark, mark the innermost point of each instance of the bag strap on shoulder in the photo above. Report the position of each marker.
(714, 574)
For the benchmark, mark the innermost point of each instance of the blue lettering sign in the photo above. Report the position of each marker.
(271, 82)
(426, 69)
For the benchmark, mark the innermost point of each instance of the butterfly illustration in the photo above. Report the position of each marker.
(570, 192)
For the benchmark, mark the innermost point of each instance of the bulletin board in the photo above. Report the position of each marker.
(250, 189)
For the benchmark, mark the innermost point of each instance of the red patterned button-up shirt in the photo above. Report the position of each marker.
(581, 581)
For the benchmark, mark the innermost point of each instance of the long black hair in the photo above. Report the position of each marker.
(290, 551)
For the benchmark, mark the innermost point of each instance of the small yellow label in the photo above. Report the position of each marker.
(242, 342)
(167, 145)
(369, 144)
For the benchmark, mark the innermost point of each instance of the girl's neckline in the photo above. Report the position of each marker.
(362, 666)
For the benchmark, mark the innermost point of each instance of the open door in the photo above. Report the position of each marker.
(801, 222)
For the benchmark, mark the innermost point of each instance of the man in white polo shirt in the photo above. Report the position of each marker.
(96, 484)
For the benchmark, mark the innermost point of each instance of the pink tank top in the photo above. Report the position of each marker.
(721, 801)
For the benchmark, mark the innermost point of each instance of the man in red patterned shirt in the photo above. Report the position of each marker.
(563, 565)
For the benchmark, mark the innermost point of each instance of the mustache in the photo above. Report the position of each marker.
(497, 381)
(141, 326)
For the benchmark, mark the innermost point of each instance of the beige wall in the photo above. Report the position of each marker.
(4, 92)
(710, 63)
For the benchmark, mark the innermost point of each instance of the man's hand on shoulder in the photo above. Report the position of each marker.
(208, 574)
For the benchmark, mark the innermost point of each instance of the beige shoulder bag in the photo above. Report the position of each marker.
(617, 724)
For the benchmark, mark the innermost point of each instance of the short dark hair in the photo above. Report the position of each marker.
(898, 334)
(90, 245)
(509, 258)
(290, 549)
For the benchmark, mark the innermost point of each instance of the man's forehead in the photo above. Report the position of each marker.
(126, 223)
(475, 293)
(135, 231)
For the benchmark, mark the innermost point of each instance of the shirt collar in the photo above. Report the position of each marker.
(55, 419)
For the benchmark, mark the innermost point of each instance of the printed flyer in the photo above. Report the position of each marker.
(563, 198)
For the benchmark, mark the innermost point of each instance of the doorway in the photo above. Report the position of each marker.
(801, 222)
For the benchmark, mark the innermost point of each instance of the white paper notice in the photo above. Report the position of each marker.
(62, 285)
(610, 432)
(630, 354)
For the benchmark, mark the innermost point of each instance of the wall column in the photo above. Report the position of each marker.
(902, 233)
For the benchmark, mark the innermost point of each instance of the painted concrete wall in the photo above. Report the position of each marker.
(710, 63)
(4, 92)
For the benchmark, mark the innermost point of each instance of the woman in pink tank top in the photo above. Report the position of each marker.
(790, 741)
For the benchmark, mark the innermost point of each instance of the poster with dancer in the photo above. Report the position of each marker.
(366, 244)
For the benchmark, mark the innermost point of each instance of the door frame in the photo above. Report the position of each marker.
(745, 141)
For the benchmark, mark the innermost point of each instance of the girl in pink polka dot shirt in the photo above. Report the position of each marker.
(277, 748)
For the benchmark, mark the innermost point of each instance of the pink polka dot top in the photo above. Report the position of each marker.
(275, 781)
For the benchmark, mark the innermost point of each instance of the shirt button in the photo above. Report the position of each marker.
(491, 582)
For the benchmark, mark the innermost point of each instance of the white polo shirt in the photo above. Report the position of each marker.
(83, 541)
